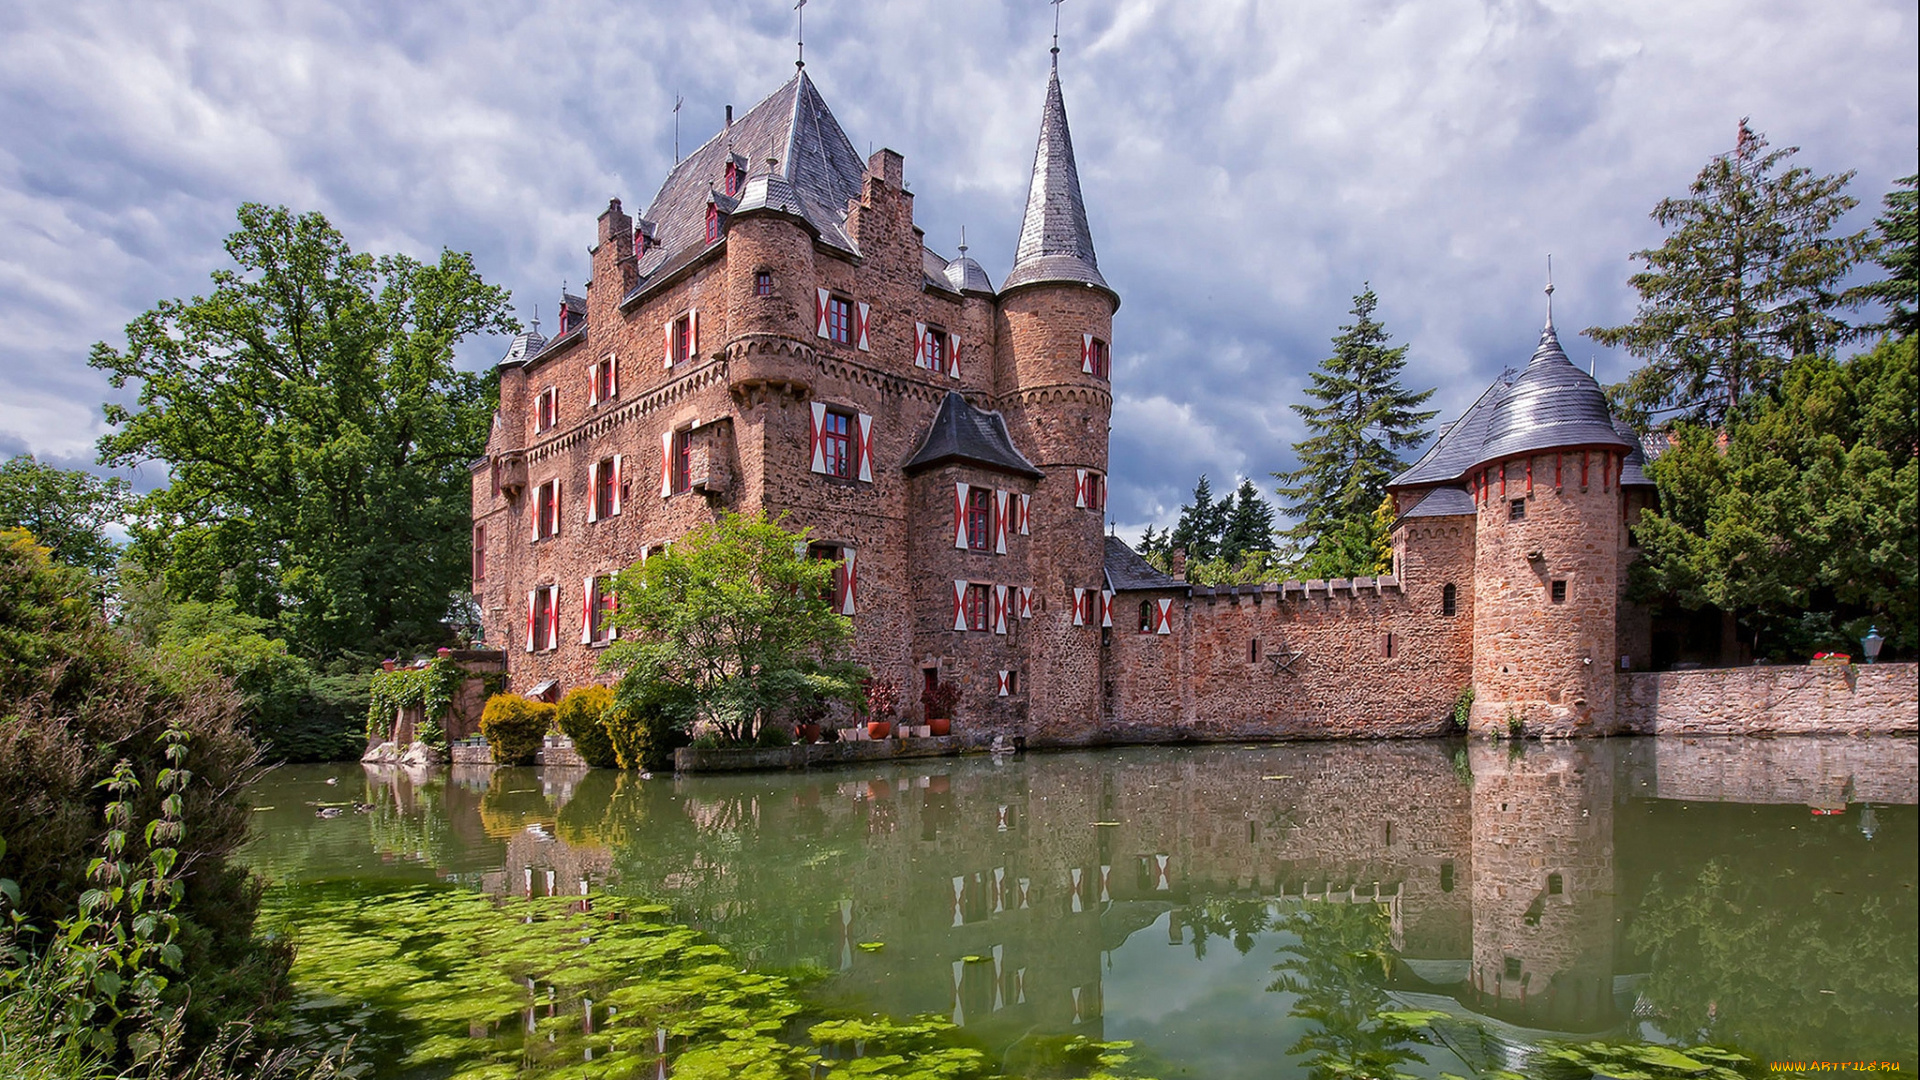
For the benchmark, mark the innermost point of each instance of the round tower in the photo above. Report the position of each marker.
(1053, 371)
(1546, 486)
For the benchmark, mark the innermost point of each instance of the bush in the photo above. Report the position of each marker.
(647, 722)
(514, 727)
(771, 736)
(580, 720)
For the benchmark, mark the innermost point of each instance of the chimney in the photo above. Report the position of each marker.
(1177, 561)
(729, 116)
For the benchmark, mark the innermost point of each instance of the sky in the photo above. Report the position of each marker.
(1248, 167)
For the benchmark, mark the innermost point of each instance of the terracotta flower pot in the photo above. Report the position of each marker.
(939, 727)
(387, 665)
(808, 732)
(879, 729)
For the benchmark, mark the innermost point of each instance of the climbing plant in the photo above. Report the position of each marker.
(431, 688)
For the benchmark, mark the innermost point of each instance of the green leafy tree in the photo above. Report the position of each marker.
(1201, 523)
(1807, 518)
(65, 509)
(1895, 251)
(316, 433)
(1249, 525)
(1748, 279)
(1363, 419)
(1337, 969)
(736, 615)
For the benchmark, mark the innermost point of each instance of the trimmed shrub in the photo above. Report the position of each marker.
(514, 727)
(772, 737)
(579, 719)
(647, 722)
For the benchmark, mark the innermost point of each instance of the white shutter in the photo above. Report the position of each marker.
(959, 605)
(693, 333)
(817, 436)
(953, 355)
(666, 464)
(593, 492)
(1163, 622)
(1026, 601)
(850, 579)
(1086, 353)
(1106, 607)
(960, 515)
(860, 329)
(530, 596)
(1003, 683)
(553, 616)
(613, 375)
(616, 484)
(1080, 488)
(593, 385)
(556, 509)
(1002, 506)
(533, 515)
(666, 357)
(1026, 509)
(865, 448)
(586, 611)
(999, 609)
(919, 344)
(1079, 607)
(822, 296)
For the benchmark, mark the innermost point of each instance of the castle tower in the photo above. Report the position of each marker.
(1052, 373)
(1546, 488)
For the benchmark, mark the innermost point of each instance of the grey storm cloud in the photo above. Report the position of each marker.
(1247, 166)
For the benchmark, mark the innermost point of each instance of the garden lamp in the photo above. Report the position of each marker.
(1871, 643)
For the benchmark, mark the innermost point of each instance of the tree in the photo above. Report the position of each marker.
(1364, 418)
(1249, 525)
(737, 618)
(1895, 251)
(1201, 523)
(1804, 526)
(65, 509)
(1747, 280)
(316, 433)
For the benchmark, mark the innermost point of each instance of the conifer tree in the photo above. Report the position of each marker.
(1201, 523)
(1748, 279)
(1363, 418)
(1249, 525)
(1899, 230)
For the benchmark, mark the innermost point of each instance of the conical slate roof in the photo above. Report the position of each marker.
(1055, 243)
(960, 432)
(1552, 404)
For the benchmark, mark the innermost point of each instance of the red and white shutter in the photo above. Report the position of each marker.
(535, 515)
(530, 596)
(555, 530)
(666, 355)
(1080, 488)
(1002, 507)
(865, 446)
(613, 375)
(959, 605)
(1003, 682)
(1163, 615)
(1086, 353)
(822, 300)
(919, 344)
(849, 580)
(666, 464)
(553, 616)
(999, 609)
(860, 328)
(1026, 508)
(693, 333)
(960, 515)
(953, 355)
(593, 384)
(1099, 491)
(586, 611)
(612, 600)
(616, 484)
(1079, 607)
(593, 492)
(816, 435)
(1026, 601)
(1106, 607)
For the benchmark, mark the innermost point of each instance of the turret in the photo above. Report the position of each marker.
(1053, 372)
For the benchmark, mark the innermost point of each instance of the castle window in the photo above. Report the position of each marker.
(479, 553)
(546, 510)
(606, 490)
(763, 283)
(600, 607)
(733, 178)
(601, 385)
(840, 320)
(1511, 967)
(836, 443)
(681, 476)
(835, 554)
(979, 518)
(1387, 644)
(1099, 360)
(1554, 885)
(1560, 591)
(1146, 616)
(1253, 651)
(1450, 600)
(977, 606)
(541, 618)
(683, 339)
(713, 224)
(1517, 510)
(933, 353)
(546, 410)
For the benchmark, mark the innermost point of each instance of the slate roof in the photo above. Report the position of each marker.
(967, 275)
(1634, 473)
(1442, 502)
(815, 173)
(960, 432)
(525, 346)
(1127, 570)
(1055, 243)
(1457, 449)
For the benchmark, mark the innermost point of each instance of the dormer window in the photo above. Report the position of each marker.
(733, 178)
(713, 223)
(566, 318)
(639, 243)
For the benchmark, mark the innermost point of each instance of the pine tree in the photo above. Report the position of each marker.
(1899, 230)
(1201, 523)
(1363, 419)
(1249, 525)
(1748, 279)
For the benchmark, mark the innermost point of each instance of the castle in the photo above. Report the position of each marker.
(774, 333)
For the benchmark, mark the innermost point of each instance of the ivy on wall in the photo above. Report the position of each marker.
(431, 688)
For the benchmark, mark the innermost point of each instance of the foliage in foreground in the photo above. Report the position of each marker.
(498, 990)
(737, 617)
(68, 510)
(514, 727)
(581, 716)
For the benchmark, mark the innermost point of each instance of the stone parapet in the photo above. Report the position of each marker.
(1879, 699)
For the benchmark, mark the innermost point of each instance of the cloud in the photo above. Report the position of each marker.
(1247, 166)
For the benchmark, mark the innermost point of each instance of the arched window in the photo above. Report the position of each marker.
(1146, 616)
(1450, 600)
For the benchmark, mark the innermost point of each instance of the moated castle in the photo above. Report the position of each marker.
(774, 333)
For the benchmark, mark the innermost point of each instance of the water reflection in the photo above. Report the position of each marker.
(1626, 889)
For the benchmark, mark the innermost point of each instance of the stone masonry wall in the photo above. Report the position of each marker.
(1786, 700)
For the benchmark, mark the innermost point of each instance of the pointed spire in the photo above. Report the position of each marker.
(1055, 243)
(1549, 347)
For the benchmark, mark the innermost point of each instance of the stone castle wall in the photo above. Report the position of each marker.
(1786, 700)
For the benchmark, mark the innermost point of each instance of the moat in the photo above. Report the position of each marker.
(1215, 905)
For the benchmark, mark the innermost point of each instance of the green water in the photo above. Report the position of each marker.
(1234, 911)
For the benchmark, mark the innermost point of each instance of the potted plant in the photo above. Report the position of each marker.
(940, 700)
(883, 700)
(808, 729)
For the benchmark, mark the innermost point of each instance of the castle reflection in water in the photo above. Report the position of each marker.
(999, 888)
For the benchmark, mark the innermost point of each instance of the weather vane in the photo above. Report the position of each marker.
(800, 34)
(1549, 288)
(1056, 24)
(677, 102)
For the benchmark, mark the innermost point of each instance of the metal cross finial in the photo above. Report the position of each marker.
(963, 241)
(1549, 289)
(677, 102)
(1056, 31)
(800, 34)
(536, 316)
